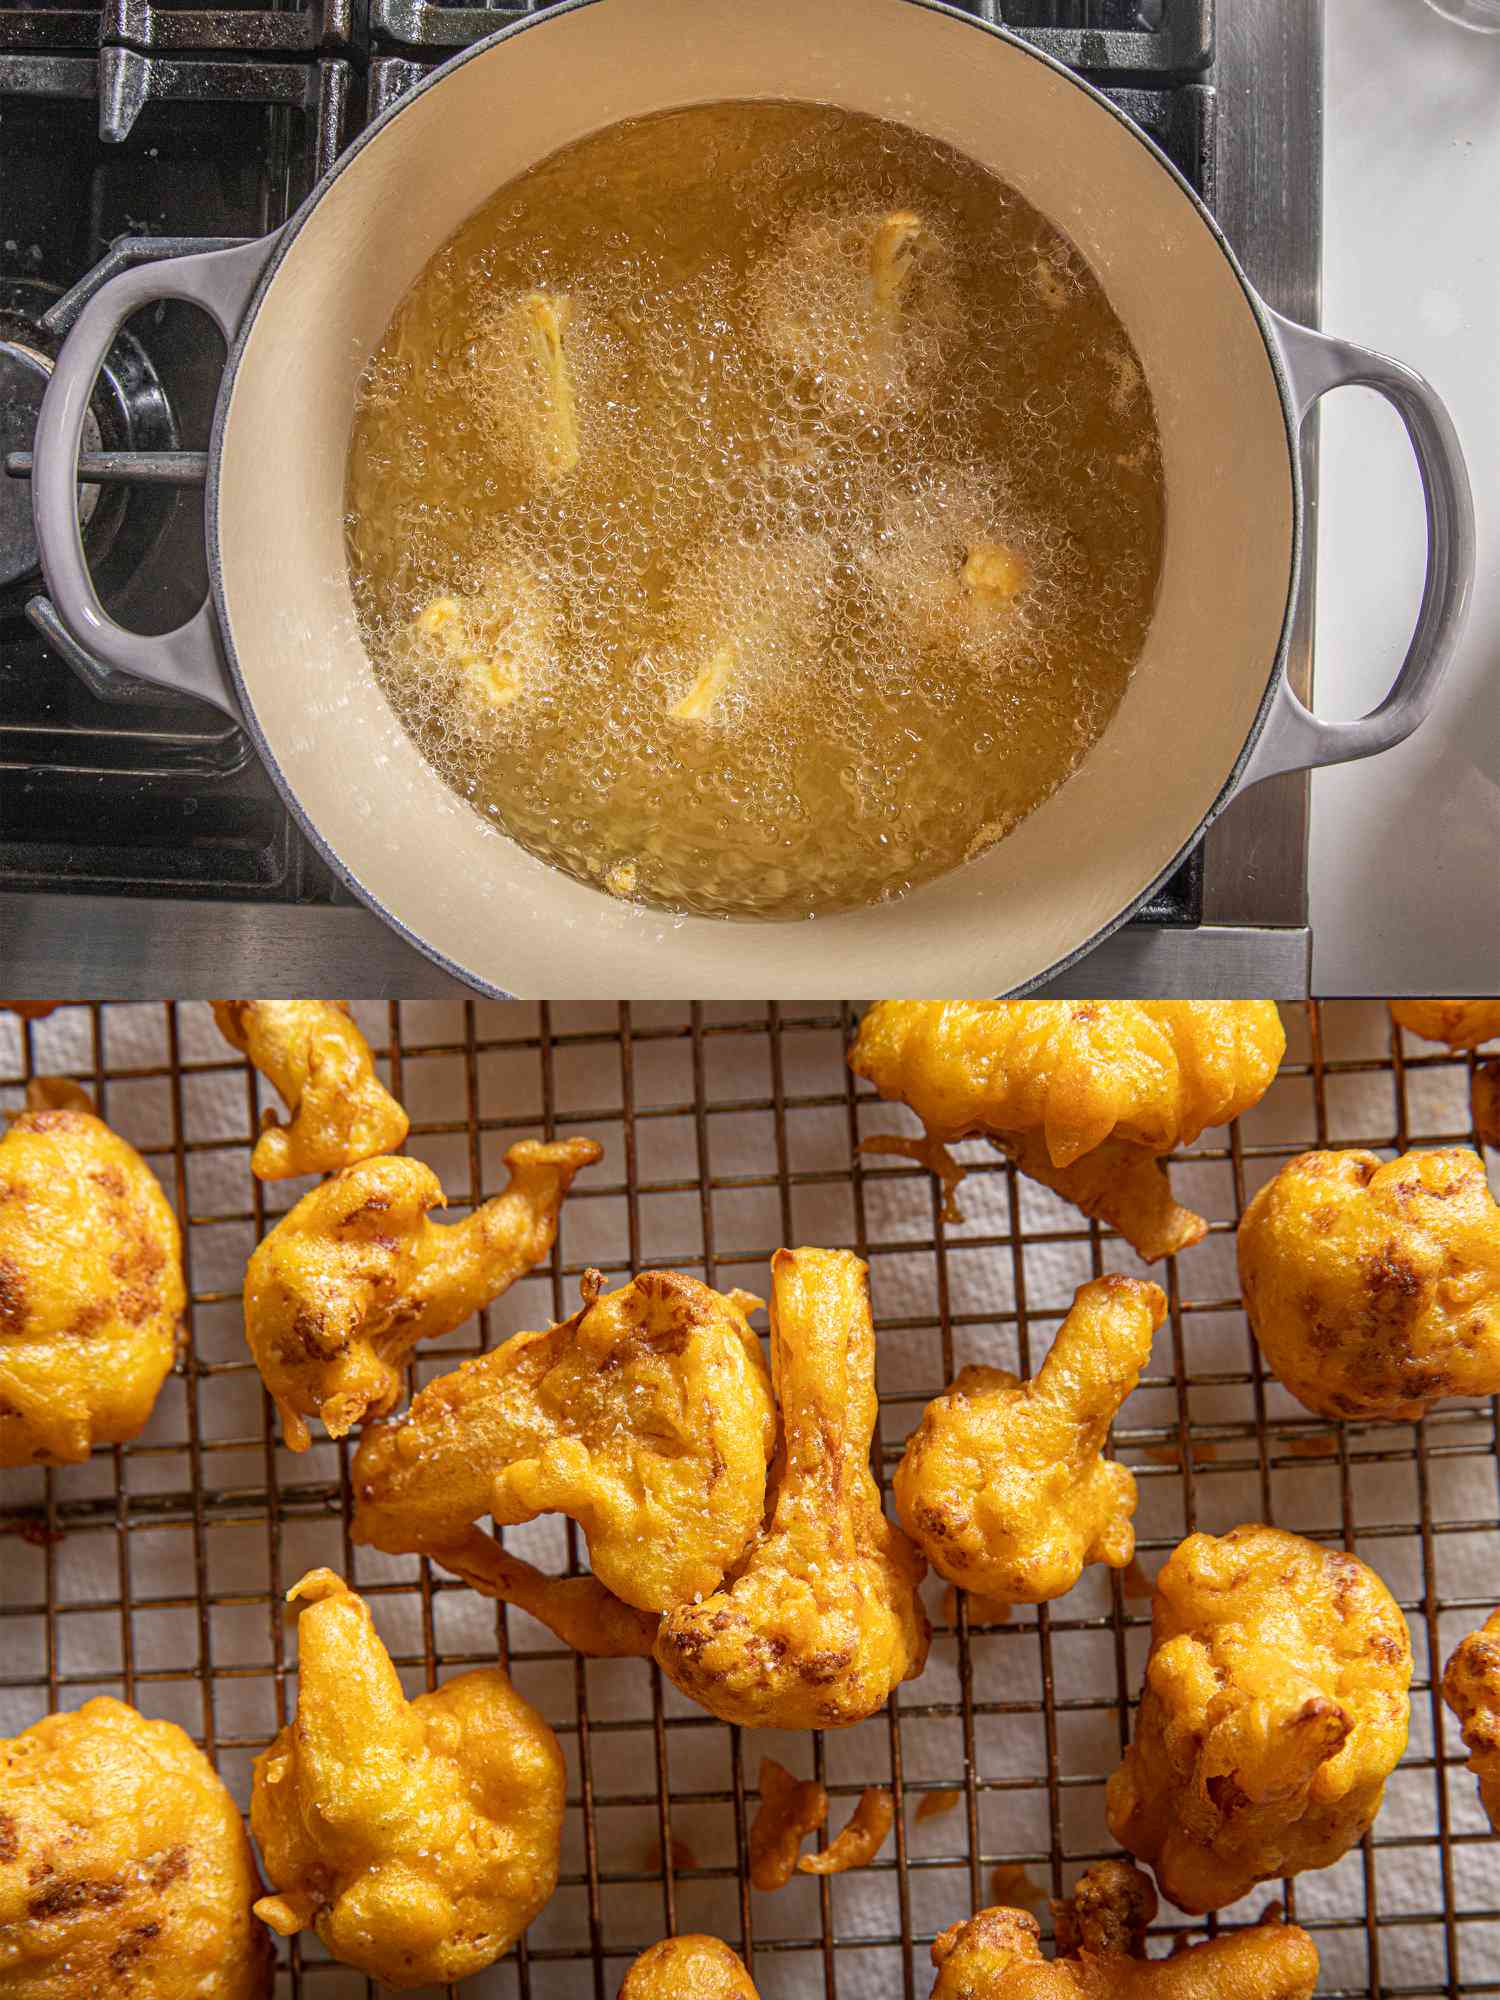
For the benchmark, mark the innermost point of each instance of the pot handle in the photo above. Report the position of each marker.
(1294, 739)
(221, 282)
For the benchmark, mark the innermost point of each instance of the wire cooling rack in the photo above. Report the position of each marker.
(156, 1572)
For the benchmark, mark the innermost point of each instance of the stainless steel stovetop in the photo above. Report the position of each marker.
(142, 849)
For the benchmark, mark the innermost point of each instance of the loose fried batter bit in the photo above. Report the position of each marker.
(1004, 1486)
(1462, 1024)
(1274, 1708)
(1101, 1953)
(1373, 1287)
(690, 1967)
(124, 1866)
(790, 1808)
(420, 1838)
(1471, 1688)
(320, 1063)
(1484, 1104)
(815, 1626)
(355, 1275)
(1084, 1095)
(647, 1417)
(91, 1291)
(860, 1839)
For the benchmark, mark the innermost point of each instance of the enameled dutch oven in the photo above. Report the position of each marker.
(1207, 712)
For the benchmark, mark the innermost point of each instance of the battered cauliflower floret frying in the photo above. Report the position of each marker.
(689, 1967)
(1085, 1095)
(124, 1865)
(1003, 1484)
(1274, 1709)
(1462, 1024)
(1471, 1688)
(821, 1619)
(1101, 1953)
(418, 1838)
(91, 1291)
(491, 645)
(1374, 1288)
(355, 1275)
(647, 1417)
(320, 1063)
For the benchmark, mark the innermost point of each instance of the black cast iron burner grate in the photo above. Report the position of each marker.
(142, 118)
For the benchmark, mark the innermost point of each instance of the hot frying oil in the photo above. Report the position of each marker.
(755, 509)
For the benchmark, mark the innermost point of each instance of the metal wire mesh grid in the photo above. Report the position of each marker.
(157, 1571)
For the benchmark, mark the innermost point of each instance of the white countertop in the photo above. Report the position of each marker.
(1405, 863)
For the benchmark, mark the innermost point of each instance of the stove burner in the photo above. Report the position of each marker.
(24, 374)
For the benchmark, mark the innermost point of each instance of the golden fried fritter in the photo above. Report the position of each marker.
(320, 1064)
(420, 1838)
(690, 1967)
(1003, 1484)
(1274, 1709)
(91, 1291)
(1462, 1024)
(1085, 1095)
(124, 1865)
(821, 1619)
(1471, 1688)
(1101, 1953)
(647, 1417)
(1374, 1288)
(348, 1282)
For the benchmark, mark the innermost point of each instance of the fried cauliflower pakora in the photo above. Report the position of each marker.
(320, 1065)
(647, 1417)
(1471, 1688)
(1462, 1024)
(1274, 1709)
(124, 1865)
(1003, 1484)
(1101, 1953)
(91, 1291)
(690, 1967)
(817, 1623)
(1084, 1095)
(1374, 1288)
(347, 1283)
(418, 1838)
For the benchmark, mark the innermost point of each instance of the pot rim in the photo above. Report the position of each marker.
(291, 229)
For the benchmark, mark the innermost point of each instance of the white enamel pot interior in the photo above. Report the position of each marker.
(427, 862)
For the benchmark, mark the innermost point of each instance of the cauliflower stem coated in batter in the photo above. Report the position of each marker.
(821, 1619)
(1373, 1287)
(124, 1866)
(321, 1067)
(1003, 1484)
(91, 1291)
(418, 1838)
(348, 1282)
(582, 1613)
(1275, 1707)
(1101, 1953)
(1084, 1095)
(646, 1417)
(689, 1967)
(1471, 1688)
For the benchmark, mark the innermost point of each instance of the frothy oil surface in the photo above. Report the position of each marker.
(755, 509)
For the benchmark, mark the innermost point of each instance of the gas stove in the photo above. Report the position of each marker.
(142, 848)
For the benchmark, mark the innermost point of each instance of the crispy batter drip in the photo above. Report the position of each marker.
(1274, 1709)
